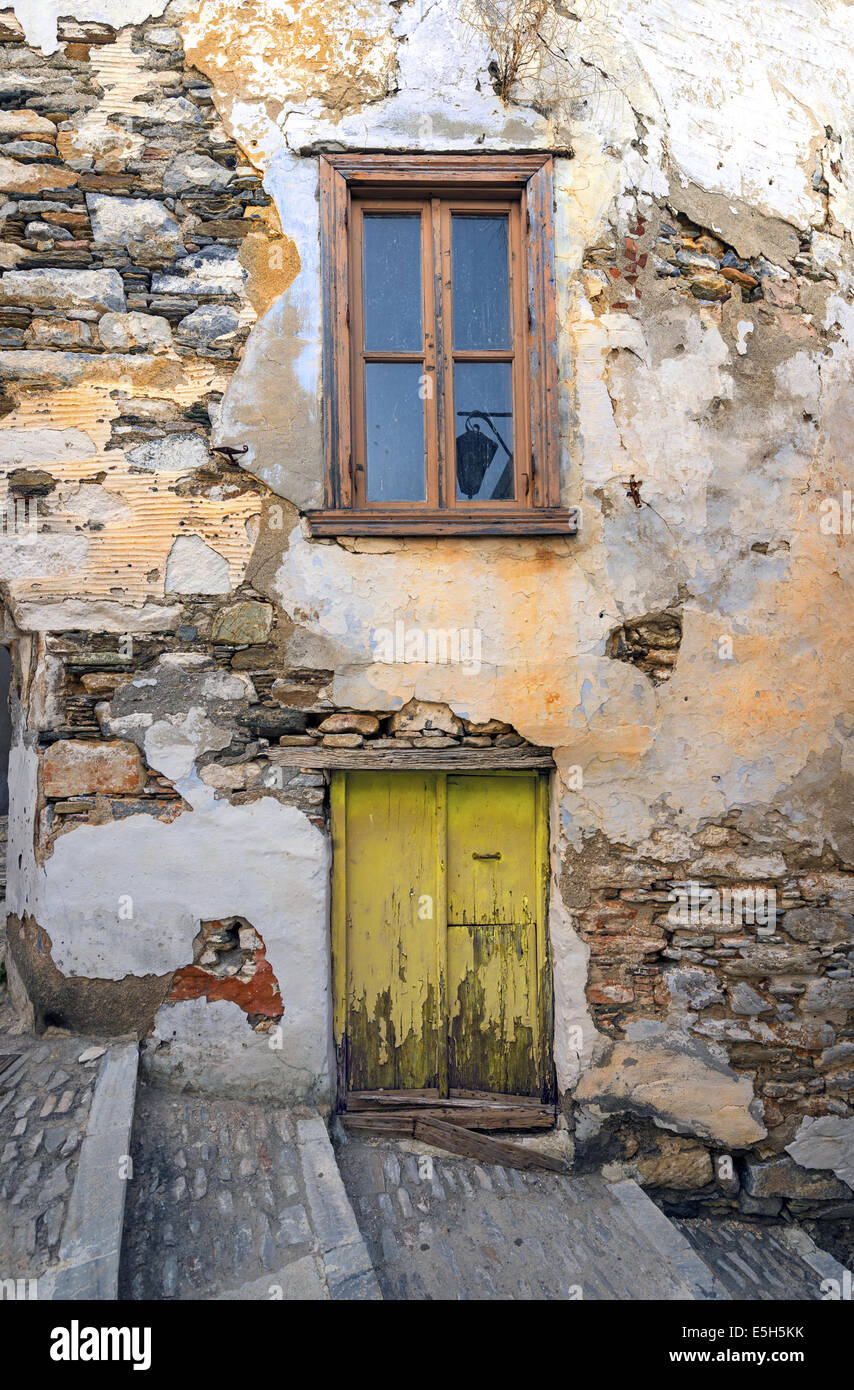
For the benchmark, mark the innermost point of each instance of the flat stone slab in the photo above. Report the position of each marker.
(662, 1233)
(301, 1281)
(92, 1238)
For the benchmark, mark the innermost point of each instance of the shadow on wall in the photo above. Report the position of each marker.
(5, 729)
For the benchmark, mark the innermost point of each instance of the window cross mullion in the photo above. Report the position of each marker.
(440, 273)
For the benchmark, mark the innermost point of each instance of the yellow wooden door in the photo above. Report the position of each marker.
(439, 938)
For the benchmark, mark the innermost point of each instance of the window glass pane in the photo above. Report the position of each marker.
(394, 427)
(483, 402)
(392, 278)
(481, 282)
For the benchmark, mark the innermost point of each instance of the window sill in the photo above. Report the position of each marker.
(521, 521)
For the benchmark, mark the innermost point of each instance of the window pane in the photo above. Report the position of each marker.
(481, 282)
(392, 271)
(394, 421)
(483, 402)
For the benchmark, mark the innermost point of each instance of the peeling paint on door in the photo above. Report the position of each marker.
(440, 945)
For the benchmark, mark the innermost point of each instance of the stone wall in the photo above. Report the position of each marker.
(684, 659)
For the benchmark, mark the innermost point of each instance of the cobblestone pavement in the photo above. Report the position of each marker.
(45, 1097)
(236, 1200)
(751, 1260)
(447, 1228)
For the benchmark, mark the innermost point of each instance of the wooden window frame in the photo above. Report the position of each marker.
(523, 181)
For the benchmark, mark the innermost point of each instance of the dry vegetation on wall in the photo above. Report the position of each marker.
(533, 53)
(519, 32)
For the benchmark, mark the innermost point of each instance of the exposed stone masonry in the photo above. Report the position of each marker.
(89, 774)
(134, 235)
(230, 962)
(148, 222)
(651, 643)
(696, 262)
(775, 993)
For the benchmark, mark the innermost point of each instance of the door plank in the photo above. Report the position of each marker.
(389, 1100)
(484, 1147)
(358, 1100)
(440, 912)
(405, 759)
(477, 1117)
(491, 823)
(370, 1122)
(485, 1097)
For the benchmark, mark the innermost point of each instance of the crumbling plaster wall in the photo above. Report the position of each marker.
(734, 411)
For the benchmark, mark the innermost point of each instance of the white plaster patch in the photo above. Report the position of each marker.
(172, 747)
(263, 861)
(744, 328)
(91, 502)
(281, 422)
(34, 554)
(21, 865)
(208, 1046)
(179, 452)
(800, 376)
(23, 448)
(195, 568)
(750, 126)
(39, 17)
(574, 1029)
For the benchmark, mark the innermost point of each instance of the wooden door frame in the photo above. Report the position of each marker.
(545, 979)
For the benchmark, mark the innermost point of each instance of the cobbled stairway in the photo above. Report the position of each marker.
(237, 1200)
(447, 1228)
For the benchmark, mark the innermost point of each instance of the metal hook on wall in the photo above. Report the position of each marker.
(230, 454)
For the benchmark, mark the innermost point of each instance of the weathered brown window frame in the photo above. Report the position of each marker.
(518, 181)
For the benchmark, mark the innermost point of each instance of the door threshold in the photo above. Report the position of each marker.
(454, 1137)
(480, 1110)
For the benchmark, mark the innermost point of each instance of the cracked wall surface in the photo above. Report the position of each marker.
(703, 217)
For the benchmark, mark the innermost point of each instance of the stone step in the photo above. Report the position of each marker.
(666, 1237)
(441, 1227)
(762, 1261)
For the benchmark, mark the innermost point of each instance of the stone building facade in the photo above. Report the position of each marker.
(191, 662)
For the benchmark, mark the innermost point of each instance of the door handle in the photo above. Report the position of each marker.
(497, 855)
